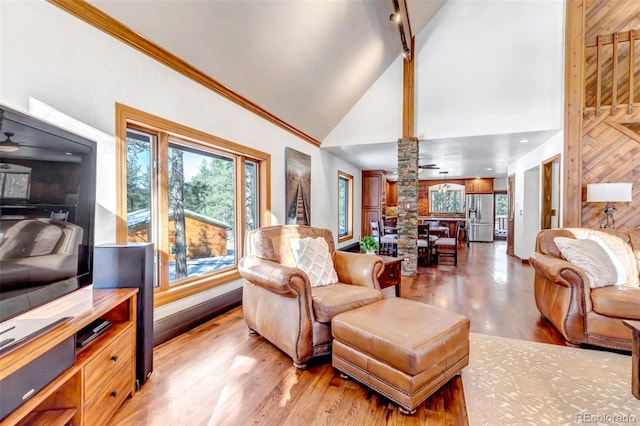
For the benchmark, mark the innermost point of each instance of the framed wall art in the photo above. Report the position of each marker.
(298, 187)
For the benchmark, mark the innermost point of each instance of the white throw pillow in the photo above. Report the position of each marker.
(590, 257)
(313, 257)
(620, 273)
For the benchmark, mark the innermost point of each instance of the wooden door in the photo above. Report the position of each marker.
(511, 189)
(550, 186)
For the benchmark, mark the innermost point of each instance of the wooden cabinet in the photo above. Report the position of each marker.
(373, 198)
(479, 186)
(103, 374)
(392, 193)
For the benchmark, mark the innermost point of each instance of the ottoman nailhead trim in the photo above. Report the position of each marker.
(392, 398)
(369, 374)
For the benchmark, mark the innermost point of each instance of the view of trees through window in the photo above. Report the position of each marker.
(200, 197)
(449, 201)
(201, 208)
(345, 206)
(502, 204)
(343, 193)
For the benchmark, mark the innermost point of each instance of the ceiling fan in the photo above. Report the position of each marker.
(431, 166)
(8, 145)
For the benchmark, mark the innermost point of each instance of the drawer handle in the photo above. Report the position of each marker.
(114, 394)
(114, 358)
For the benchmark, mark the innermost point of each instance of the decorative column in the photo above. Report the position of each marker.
(408, 204)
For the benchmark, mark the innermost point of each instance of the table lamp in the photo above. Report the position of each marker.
(608, 193)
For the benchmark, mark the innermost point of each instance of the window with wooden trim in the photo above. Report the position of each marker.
(446, 198)
(345, 206)
(192, 195)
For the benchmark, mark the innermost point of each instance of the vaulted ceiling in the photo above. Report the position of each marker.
(306, 62)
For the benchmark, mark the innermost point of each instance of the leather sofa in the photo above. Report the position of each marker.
(279, 302)
(564, 296)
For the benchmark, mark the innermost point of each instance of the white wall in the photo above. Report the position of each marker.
(377, 116)
(500, 184)
(55, 58)
(482, 67)
(490, 67)
(523, 247)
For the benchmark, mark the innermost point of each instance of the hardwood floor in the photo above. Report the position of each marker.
(217, 374)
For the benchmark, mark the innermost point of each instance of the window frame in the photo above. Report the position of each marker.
(131, 118)
(349, 207)
(453, 187)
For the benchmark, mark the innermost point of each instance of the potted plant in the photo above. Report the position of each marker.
(369, 245)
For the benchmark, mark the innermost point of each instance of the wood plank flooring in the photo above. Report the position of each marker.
(217, 374)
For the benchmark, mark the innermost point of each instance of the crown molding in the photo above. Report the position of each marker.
(100, 20)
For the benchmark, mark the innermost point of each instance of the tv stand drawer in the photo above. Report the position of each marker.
(105, 403)
(98, 371)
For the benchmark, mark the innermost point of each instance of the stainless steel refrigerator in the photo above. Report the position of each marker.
(479, 209)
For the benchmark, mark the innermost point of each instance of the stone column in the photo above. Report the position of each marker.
(408, 204)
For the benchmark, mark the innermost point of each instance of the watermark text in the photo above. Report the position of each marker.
(602, 418)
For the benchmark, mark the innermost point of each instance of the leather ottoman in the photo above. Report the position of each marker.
(403, 349)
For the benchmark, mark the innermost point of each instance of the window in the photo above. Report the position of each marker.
(14, 181)
(345, 206)
(446, 198)
(190, 194)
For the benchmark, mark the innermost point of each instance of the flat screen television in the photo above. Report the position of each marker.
(47, 211)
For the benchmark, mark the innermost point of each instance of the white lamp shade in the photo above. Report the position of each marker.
(609, 192)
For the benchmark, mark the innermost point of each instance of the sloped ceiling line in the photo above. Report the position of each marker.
(100, 20)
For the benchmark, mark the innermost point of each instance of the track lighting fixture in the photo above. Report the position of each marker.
(400, 17)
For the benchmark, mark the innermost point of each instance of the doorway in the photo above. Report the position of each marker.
(501, 215)
(511, 190)
(550, 193)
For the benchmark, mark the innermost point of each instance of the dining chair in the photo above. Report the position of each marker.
(426, 244)
(387, 243)
(448, 246)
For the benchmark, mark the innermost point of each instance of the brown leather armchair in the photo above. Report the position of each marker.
(586, 315)
(279, 302)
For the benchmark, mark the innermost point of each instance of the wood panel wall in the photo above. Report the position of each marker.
(610, 143)
(609, 155)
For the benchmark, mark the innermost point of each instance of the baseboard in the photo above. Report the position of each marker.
(354, 248)
(173, 325)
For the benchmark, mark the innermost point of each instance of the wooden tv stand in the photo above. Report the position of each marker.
(103, 374)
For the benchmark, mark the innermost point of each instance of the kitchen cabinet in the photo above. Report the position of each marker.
(479, 186)
(373, 198)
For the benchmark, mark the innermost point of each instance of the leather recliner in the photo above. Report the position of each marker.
(586, 315)
(279, 302)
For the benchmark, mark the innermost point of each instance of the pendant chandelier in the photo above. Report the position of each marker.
(444, 186)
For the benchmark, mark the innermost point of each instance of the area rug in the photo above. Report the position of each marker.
(515, 382)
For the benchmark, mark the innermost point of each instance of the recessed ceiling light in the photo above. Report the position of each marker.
(502, 160)
(524, 140)
(489, 168)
